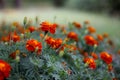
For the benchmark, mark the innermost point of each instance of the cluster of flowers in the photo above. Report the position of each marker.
(47, 31)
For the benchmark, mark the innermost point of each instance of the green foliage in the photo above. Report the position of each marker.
(49, 64)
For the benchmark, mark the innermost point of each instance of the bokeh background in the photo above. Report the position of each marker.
(104, 15)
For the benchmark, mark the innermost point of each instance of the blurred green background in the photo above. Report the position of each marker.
(104, 15)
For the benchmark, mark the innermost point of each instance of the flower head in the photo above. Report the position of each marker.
(50, 41)
(48, 27)
(90, 40)
(5, 38)
(91, 29)
(45, 26)
(32, 45)
(100, 37)
(105, 35)
(52, 28)
(90, 62)
(15, 37)
(77, 25)
(94, 55)
(31, 29)
(107, 58)
(5, 69)
(54, 43)
(73, 35)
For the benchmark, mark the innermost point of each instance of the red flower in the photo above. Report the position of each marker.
(107, 58)
(77, 25)
(110, 67)
(15, 37)
(94, 55)
(5, 38)
(31, 28)
(50, 41)
(46, 26)
(52, 28)
(90, 40)
(54, 43)
(91, 29)
(73, 35)
(100, 37)
(5, 69)
(58, 43)
(33, 45)
(90, 62)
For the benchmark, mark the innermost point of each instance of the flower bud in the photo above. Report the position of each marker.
(25, 20)
(17, 59)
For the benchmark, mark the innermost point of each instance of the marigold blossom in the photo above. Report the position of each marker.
(50, 41)
(107, 58)
(32, 45)
(105, 35)
(45, 26)
(5, 38)
(15, 37)
(31, 28)
(94, 55)
(110, 67)
(52, 28)
(48, 27)
(90, 62)
(77, 25)
(73, 35)
(100, 37)
(90, 40)
(54, 43)
(5, 69)
(91, 29)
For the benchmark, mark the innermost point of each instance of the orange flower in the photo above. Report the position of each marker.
(90, 40)
(15, 24)
(5, 38)
(119, 51)
(85, 54)
(5, 69)
(58, 43)
(107, 58)
(50, 41)
(91, 29)
(54, 43)
(94, 55)
(90, 62)
(105, 35)
(46, 26)
(41, 35)
(73, 35)
(33, 45)
(110, 67)
(52, 28)
(100, 37)
(77, 25)
(31, 28)
(15, 37)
